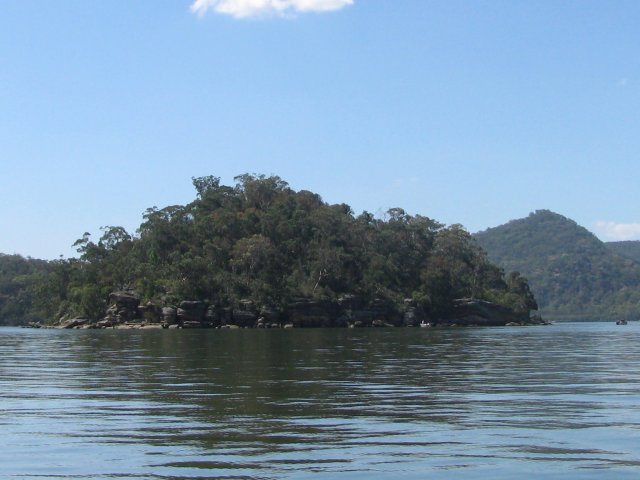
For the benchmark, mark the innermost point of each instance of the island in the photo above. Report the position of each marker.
(260, 254)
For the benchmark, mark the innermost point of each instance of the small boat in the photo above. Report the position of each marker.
(424, 324)
(621, 322)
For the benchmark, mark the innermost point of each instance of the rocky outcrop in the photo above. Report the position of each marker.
(269, 317)
(353, 311)
(245, 315)
(310, 313)
(169, 315)
(413, 314)
(474, 312)
(150, 313)
(191, 313)
(377, 313)
(357, 312)
(211, 317)
(74, 323)
(123, 307)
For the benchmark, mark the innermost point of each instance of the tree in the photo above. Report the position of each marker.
(204, 185)
(258, 190)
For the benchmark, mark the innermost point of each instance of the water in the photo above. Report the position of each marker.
(551, 402)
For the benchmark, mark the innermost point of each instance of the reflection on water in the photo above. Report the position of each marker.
(554, 402)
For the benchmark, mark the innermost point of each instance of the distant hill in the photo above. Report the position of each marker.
(629, 249)
(572, 273)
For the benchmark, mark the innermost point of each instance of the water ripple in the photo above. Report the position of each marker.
(562, 401)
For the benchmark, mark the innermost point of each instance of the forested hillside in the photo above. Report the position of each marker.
(261, 241)
(21, 281)
(629, 249)
(571, 272)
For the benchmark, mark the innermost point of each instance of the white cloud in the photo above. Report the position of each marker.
(618, 231)
(257, 8)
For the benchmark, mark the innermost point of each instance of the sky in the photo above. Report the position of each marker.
(473, 112)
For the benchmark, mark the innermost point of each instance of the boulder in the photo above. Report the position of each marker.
(74, 323)
(150, 313)
(191, 311)
(125, 299)
(169, 316)
(123, 307)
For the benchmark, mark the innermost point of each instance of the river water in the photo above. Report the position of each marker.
(554, 402)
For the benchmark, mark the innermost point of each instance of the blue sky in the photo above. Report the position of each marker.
(471, 112)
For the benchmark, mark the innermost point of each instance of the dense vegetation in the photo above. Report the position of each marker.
(629, 249)
(572, 273)
(21, 284)
(262, 241)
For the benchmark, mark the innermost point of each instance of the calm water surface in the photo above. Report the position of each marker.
(547, 402)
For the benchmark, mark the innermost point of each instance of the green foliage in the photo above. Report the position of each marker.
(572, 273)
(629, 249)
(21, 280)
(262, 241)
